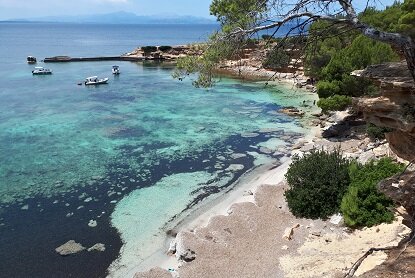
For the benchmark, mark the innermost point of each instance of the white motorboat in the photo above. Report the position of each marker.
(41, 71)
(94, 80)
(116, 70)
(31, 60)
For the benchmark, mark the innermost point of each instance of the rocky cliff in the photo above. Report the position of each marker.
(395, 106)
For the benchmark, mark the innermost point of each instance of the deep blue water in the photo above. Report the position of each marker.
(70, 154)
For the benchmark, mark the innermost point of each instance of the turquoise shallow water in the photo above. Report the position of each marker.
(116, 153)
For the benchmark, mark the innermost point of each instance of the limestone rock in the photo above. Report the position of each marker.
(70, 247)
(394, 108)
(187, 256)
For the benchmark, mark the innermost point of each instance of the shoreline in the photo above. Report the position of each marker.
(313, 241)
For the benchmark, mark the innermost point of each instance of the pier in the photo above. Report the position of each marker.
(66, 59)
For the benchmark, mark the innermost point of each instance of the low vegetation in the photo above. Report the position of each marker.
(149, 49)
(334, 103)
(318, 181)
(323, 183)
(374, 132)
(165, 48)
(276, 58)
(363, 205)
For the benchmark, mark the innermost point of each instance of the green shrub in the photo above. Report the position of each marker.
(149, 49)
(334, 103)
(327, 89)
(376, 132)
(318, 181)
(276, 58)
(165, 48)
(363, 204)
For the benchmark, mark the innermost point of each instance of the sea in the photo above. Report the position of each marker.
(113, 164)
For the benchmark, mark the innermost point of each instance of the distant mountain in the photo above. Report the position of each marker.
(121, 18)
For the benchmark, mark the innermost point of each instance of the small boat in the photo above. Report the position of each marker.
(41, 71)
(94, 80)
(31, 60)
(115, 70)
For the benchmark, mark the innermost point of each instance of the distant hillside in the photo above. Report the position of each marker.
(121, 18)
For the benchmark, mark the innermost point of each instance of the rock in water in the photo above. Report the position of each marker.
(92, 223)
(97, 247)
(71, 247)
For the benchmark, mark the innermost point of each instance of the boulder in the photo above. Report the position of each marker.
(187, 256)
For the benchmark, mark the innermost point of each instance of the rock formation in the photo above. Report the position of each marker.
(394, 108)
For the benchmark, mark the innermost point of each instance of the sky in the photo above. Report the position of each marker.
(11, 9)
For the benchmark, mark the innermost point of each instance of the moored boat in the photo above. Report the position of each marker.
(31, 60)
(41, 71)
(94, 80)
(116, 70)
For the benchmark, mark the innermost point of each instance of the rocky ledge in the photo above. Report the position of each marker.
(394, 108)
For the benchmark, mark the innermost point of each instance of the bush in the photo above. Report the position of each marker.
(318, 181)
(363, 204)
(327, 89)
(376, 132)
(149, 49)
(334, 103)
(165, 48)
(276, 59)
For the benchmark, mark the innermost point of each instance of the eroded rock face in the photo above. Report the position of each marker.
(394, 108)
(401, 189)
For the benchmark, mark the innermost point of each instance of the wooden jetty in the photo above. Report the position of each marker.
(65, 59)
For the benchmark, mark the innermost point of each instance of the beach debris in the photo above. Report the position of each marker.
(70, 247)
(25, 207)
(248, 193)
(284, 247)
(100, 247)
(316, 233)
(92, 223)
(289, 232)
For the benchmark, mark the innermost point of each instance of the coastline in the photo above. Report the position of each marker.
(240, 234)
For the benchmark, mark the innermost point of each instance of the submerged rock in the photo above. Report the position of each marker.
(92, 223)
(70, 247)
(249, 135)
(238, 155)
(235, 167)
(97, 247)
